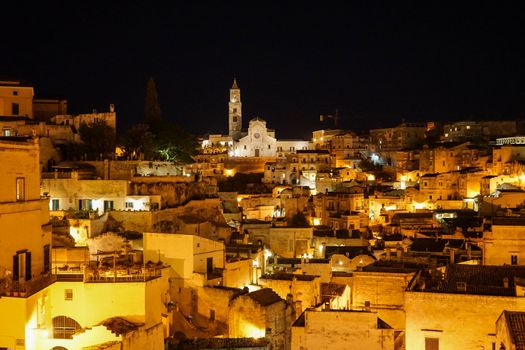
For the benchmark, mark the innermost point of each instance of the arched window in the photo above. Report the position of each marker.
(64, 327)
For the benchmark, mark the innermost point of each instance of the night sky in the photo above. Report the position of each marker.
(376, 63)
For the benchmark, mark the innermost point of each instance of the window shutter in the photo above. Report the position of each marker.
(15, 267)
(28, 266)
(46, 258)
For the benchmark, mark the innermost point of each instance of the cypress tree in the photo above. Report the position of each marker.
(152, 114)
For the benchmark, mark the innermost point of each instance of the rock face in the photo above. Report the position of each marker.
(167, 220)
(173, 193)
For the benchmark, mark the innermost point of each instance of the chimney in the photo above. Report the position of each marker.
(452, 256)
(298, 307)
(289, 298)
(399, 253)
(367, 305)
(111, 108)
(506, 282)
(388, 254)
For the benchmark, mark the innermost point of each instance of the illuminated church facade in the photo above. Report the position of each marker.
(257, 141)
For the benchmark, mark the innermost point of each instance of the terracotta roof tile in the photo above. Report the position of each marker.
(516, 323)
(480, 280)
(265, 297)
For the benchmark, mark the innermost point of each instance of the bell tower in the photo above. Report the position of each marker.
(235, 112)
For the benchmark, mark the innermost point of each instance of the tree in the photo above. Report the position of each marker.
(137, 141)
(173, 143)
(99, 140)
(152, 113)
(298, 220)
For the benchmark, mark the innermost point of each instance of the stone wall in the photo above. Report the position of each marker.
(127, 169)
(341, 330)
(290, 242)
(384, 291)
(306, 293)
(248, 319)
(459, 321)
(172, 191)
(163, 220)
(238, 274)
(217, 300)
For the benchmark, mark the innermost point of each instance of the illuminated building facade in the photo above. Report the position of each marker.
(16, 99)
(95, 306)
(261, 314)
(315, 329)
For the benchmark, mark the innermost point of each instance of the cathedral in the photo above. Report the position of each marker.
(257, 140)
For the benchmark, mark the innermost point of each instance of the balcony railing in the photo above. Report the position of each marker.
(25, 289)
(132, 274)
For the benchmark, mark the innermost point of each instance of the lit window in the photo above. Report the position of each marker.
(108, 205)
(64, 327)
(7, 132)
(20, 188)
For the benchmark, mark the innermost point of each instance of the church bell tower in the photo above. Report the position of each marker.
(235, 112)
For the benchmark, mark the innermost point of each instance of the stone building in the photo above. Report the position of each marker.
(335, 296)
(508, 159)
(480, 130)
(299, 168)
(454, 185)
(344, 202)
(405, 135)
(504, 244)
(16, 99)
(510, 330)
(194, 262)
(98, 195)
(308, 266)
(291, 242)
(349, 148)
(114, 307)
(452, 156)
(457, 309)
(25, 234)
(322, 139)
(258, 141)
(380, 287)
(261, 314)
(338, 329)
(304, 289)
(44, 108)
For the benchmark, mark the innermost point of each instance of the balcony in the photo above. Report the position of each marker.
(11, 288)
(122, 275)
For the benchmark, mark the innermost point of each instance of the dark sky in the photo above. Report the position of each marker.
(377, 63)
